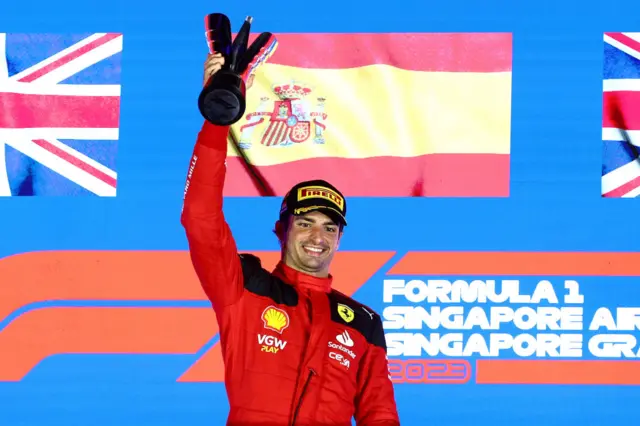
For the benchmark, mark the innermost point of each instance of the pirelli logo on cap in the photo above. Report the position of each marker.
(321, 192)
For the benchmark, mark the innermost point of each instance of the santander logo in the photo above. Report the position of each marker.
(345, 339)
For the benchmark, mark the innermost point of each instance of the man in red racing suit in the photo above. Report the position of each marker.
(296, 351)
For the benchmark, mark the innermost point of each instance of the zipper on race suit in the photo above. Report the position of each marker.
(312, 372)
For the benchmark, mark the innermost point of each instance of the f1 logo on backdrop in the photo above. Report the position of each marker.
(79, 303)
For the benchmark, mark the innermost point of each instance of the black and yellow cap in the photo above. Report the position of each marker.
(315, 195)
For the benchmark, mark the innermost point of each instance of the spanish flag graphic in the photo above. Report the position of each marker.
(380, 115)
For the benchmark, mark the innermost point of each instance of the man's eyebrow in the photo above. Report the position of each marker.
(305, 219)
(311, 220)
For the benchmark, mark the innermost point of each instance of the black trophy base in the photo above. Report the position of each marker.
(222, 101)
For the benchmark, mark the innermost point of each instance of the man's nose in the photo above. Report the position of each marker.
(316, 235)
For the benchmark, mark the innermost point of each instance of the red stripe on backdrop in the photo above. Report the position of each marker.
(29, 111)
(621, 110)
(623, 189)
(619, 37)
(433, 175)
(558, 372)
(518, 263)
(69, 57)
(452, 52)
(76, 162)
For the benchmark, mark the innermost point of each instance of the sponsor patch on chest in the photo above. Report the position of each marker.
(276, 320)
(341, 350)
(271, 344)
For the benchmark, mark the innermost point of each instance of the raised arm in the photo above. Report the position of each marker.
(212, 248)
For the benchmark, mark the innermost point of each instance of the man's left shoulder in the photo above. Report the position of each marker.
(347, 311)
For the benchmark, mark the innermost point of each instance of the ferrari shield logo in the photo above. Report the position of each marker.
(290, 119)
(345, 312)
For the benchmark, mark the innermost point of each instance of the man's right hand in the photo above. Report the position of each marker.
(214, 63)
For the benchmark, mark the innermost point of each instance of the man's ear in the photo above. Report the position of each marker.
(339, 239)
(280, 231)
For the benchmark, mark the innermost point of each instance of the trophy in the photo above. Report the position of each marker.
(222, 101)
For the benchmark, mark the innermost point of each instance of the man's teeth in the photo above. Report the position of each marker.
(314, 249)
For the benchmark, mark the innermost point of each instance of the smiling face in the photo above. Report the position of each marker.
(310, 241)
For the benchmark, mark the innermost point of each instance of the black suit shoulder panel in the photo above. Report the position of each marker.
(258, 280)
(347, 311)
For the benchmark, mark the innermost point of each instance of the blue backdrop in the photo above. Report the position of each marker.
(554, 203)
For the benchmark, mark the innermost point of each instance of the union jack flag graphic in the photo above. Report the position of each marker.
(59, 121)
(621, 115)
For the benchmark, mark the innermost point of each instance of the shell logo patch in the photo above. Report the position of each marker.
(275, 319)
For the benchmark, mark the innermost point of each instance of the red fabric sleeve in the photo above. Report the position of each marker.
(211, 245)
(375, 402)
